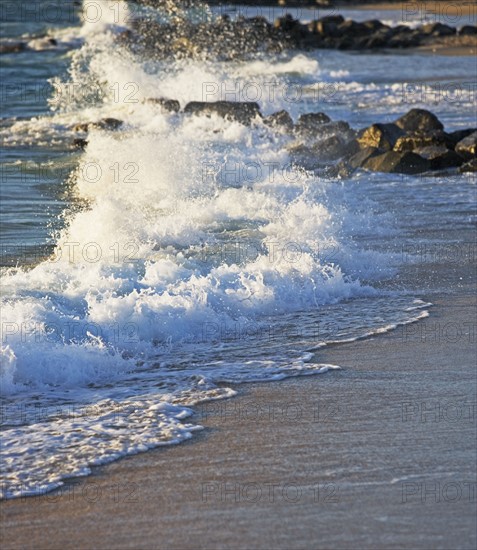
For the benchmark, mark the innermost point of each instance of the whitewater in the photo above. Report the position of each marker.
(193, 257)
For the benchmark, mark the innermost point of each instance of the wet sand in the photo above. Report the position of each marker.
(378, 455)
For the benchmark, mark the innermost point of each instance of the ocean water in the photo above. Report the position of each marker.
(178, 256)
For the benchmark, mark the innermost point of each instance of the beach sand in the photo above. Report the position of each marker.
(378, 455)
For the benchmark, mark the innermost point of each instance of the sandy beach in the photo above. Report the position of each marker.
(378, 455)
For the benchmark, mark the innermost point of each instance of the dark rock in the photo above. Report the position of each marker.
(103, 124)
(108, 124)
(459, 135)
(404, 39)
(305, 157)
(243, 112)
(382, 136)
(470, 166)
(280, 119)
(377, 40)
(439, 156)
(354, 29)
(329, 26)
(438, 29)
(351, 148)
(467, 147)
(338, 128)
(419, 121)
(468, 30)
(410, 142)
(80, 143)
(360, 158)
(329, 149)
(375, 25)
(286, 23)
(347, 42)
(310, 122)
(12, 47)
(397, 163)
(170, 105)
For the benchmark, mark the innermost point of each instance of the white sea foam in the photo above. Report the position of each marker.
(168, 282)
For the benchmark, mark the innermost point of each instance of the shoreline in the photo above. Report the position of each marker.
(297, 460)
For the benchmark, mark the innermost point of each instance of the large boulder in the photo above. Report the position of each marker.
(361, 157)
(467, 147)
(438, 29)
(459, 135)
(280, 119)
(310, 123)
(382, 136)
(468, 30)
(169, 105)
(419, 121)
(243, 112)
(354, 29)
(304, 156)
(331, 148)
(439, 156)
(329, 26)
(374, 25)
(410, 142)
(395, 162)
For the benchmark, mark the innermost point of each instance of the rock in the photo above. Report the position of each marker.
(468, 30)
(80, 143)
(375, 25)
(410, 142)
(404, 39)
(397, 163)
(243, 112)
(279, 119)
(329, 149)
(103, 124)
(351, 148)
(170, 105)
(419, 121)
(377, 40)
(360, 158)
(470, 166)
(467, 147)
(12, 47)
(310, 122)
(459, 135)
(338, 128)
(439, 156)
(382, 136)
(437, 29)
(329, 26)
(286, 23)
(304, 156)
(353, 29)
(108, 124)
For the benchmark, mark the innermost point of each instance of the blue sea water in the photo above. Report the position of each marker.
(179, 254)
